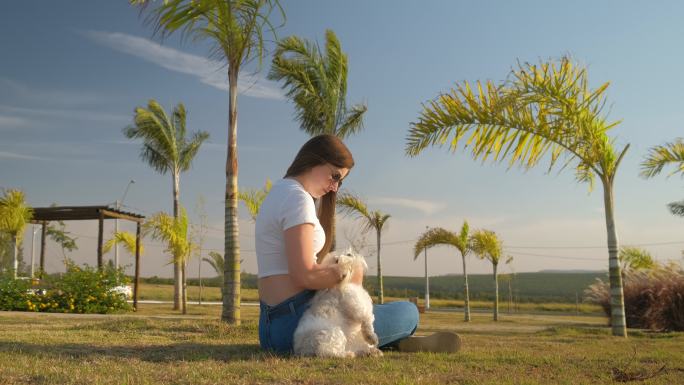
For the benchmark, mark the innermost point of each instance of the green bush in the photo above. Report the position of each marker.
(14, 293)
(79, 290)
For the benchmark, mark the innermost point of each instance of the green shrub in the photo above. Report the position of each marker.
(14, 293)
(79, 290)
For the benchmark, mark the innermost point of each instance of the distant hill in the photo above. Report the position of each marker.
(526, 287)
(542, 286)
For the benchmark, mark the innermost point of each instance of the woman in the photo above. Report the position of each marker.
(291, 238)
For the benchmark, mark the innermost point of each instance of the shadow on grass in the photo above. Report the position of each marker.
(151, 353)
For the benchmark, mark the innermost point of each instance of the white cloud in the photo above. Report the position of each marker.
(427, 207)
(210, 72)
(12, 122)
(63, 114)
(22, 93)
(74, 151)
(12, 155)
(53, 104)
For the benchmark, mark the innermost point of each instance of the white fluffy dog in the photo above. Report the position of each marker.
(339, 322)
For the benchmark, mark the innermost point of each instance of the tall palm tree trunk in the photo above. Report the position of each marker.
(381, 294)
(231, 272)
(466, 309)
(617, 302)
(177, 273)
(427, 283)
(184, 297)
(496, 294)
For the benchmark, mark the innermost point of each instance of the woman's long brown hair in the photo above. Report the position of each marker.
(319, 150)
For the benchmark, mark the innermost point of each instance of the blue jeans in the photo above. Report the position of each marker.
(393, 321)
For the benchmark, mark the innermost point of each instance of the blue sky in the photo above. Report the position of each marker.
(71, 74)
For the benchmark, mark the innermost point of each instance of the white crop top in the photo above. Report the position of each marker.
(286, 205)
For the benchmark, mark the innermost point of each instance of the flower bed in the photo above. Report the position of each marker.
(79, 290)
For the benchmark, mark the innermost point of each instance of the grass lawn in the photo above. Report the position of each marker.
(157, 346)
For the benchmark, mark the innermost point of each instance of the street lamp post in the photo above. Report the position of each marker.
(33, 254)
(119, 203)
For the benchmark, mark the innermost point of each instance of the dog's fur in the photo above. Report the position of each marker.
(339, 322)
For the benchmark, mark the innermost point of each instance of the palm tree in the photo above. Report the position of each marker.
(174, 232)
(253, 198)
(236, 29)
(122, 237)
(215, 260)
(486, 245)
(167, 149)
(316, 82)
(660, 156)
(544, 109)
(635, 258)
(14, 215)
(439, 236)
(376, 220)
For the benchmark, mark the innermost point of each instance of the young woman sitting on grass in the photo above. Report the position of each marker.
(292, 238)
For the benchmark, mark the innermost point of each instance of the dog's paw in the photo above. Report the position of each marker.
(371, 352)
(370, 337)
(375, 352)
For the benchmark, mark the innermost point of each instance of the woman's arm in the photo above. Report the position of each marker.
(304, 271)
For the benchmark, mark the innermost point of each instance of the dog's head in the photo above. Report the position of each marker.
(349, 261)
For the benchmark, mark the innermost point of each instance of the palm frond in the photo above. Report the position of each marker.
(380, 220)
(14, 213)
(463, 239)
(349, 204)
(542, 110)
(190, 149)
(216, 261)
(660, 156)
(316, 82)
(234, 28)
(253, 198)
(434, 237)
(486, 245)
(352, 122)
(173, 232)
(676, 208)
(124, 238)
(165, 144)
(635, 258)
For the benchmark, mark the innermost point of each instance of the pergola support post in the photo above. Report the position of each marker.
(43, 233)
(99, 240)
(44, 215)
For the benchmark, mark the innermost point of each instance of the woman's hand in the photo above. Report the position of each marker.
(302, 266)
(357, 275)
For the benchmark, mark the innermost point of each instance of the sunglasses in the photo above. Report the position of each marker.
(335, 175)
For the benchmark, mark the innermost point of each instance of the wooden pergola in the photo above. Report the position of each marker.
(43, 215)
